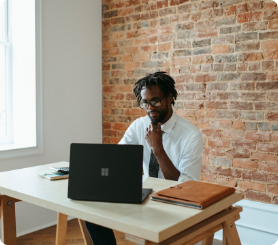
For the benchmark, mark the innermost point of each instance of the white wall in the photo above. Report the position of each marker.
(72, 92)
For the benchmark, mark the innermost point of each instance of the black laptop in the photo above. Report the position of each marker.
(106, 173)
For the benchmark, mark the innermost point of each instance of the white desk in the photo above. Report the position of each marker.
(151, 221)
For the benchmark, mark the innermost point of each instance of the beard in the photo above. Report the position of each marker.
(161, 115)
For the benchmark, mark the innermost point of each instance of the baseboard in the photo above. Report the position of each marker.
(40, 227)
(257, 225)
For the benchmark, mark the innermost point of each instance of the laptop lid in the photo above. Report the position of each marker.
(107, 173)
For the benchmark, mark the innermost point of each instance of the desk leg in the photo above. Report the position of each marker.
(85, 233)
(230, 235)
(61, 231)
(208, 240)
(8, 220)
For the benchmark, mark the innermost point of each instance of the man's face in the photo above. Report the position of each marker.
(161, 113)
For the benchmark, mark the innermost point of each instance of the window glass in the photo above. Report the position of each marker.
(3, 125)
(3, 20)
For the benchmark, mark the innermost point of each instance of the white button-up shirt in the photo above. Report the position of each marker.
(181, 140)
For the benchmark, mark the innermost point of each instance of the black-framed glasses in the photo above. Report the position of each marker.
(153, 103)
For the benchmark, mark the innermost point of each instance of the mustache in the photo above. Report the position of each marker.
(152, 111)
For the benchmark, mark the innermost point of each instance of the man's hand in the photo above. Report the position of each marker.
(154, 137)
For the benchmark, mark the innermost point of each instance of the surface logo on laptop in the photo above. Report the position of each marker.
(104, 171)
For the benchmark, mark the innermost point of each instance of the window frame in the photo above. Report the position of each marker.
(10, 150)
(8, 55)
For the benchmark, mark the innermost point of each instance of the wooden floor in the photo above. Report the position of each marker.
(47, 236)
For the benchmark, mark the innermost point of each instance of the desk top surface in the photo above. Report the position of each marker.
(154, 221)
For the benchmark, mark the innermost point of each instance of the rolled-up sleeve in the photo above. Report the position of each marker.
(130, 135)
(191, 159)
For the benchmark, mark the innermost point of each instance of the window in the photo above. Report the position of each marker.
(20, 78)
(5, 60)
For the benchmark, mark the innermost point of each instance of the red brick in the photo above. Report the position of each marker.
(180, 61)
(238, 125)
(164, 47)
(259, 187)
(254, 66)
(259, 136)
(268, 167)
(254, 175)
(132, 112)
(251, 56)
(272, 189)
(109, 104)
(117, 5)
(208, 170)
(255, 6)
(233, 134)
(273, 24)
(238, 153)
(229, 172)
(196, 16)
(241, 18)
(208, 178)
(192, 105)
(270, 14)
(231, 10)
(219, 142)
(243, 8)
(228, 181)
(109, 44)
(106, 111)
(217, 151)
(115, 140)
(271, 54)
(246, 164)
(120, 126)
(126, 58)
(110, 133)
(207, 33)
(162, 4)
(117, 96)
(236, 105)
(205, 114)
(202, 59)
(212, 132)
(273, 178)
(131, 2)
(269, 44)
(216, 105)
(271, 4)
(272, 116)
(251, 145)
(183, 78)
(131, 50)
(125, 11)
(220, 49)
(274, 137)
(263, 156)
(244, 184)
(206, 78)
(256, 196)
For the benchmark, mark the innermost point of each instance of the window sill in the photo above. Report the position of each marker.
(16, 150)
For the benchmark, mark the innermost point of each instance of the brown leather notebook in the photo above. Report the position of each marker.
(193, 194)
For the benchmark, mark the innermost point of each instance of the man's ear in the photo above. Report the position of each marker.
(170, 98)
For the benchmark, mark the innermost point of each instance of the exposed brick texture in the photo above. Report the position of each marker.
(223, 55)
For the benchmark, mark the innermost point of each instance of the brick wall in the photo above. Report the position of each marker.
(223, 55)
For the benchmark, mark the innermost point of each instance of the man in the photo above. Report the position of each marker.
(172, 145)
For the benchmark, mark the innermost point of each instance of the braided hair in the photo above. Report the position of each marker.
(161, 79)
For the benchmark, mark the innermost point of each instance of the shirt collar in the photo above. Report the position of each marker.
(169, 125)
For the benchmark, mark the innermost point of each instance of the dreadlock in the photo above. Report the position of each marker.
(161, 79)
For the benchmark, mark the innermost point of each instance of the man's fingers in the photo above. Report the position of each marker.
(151, 126)
(159, 127)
